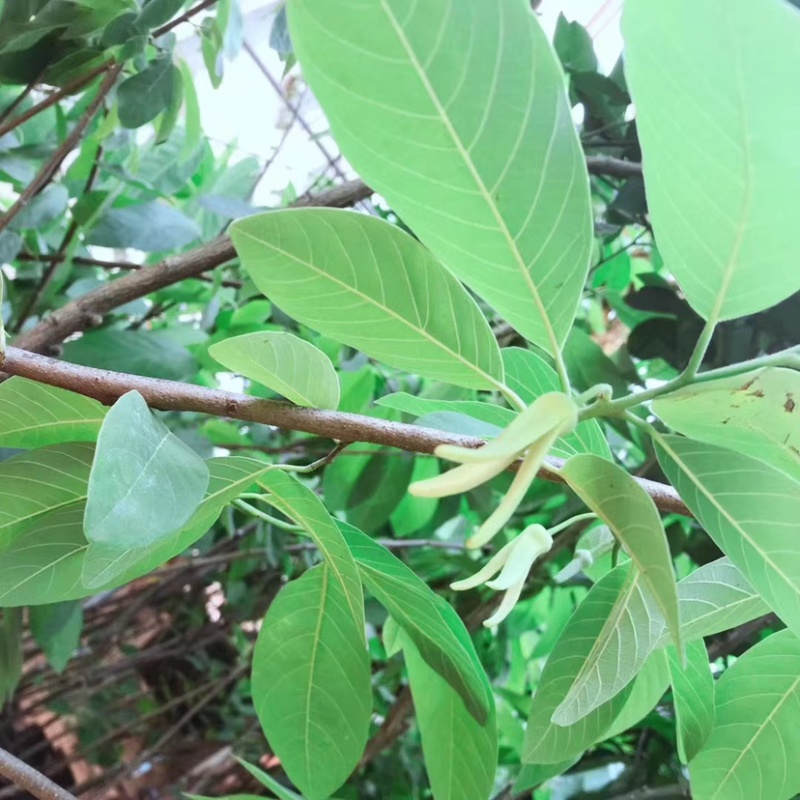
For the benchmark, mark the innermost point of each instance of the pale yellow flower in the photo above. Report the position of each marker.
(513, 562)
(530, 436)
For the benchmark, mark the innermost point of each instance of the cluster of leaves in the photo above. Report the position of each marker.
(457, 115)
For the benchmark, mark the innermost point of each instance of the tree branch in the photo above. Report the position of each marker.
(614, 167)
(183, 18)
(29, 779)
(88, 310)
(107, 387)
(68, 145)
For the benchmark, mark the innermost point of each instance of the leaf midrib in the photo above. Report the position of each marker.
(483, 191)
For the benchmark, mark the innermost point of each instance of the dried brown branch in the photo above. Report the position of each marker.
(107, 386)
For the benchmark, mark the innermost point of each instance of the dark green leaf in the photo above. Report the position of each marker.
(151, 227)
(57, 630)
(157, 12)
(143, 96)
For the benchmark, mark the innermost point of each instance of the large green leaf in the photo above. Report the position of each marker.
(460, 752)
(546, 742)
(457, 114)
(368, 284)
(430, 623)
(721, 175)
(145, 482)
(298, 502)
(752, 413)
(36, 483)
(752, 750)
(311, 682)
(633, 518)
(626, 640)
(693, 693)
(284, 363)
(748, 508)
(715, 598)
(530, 376)
(50, 559)
(648, 688)
(35, 415)
(420, 406)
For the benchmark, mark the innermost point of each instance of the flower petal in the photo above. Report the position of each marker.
(516, 492)
(492, 567)
(549, 411)
(460, 479)
(528, 546)
(506, 606)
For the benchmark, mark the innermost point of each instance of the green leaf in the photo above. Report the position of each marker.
(268, 782)
(725, 237)
(752, 748)
(627, 638)
(311, 682)
(752, 413)
(648, 688)
(748, 509)
(435, 629)
(460, 752)
(10, 652)
(35, 415)
(284, 363)
(142, 97)
(545, 742)
(152, 227)
(413, 513)
(420, 406)
(57, 630)
(574, 46)
(212, 45)
(369, 285)
(192, 123)
(169, 117)
(530, 376)
(50, 560)
(531, 776)
(633, 518)
(158, 12)
(715, 598)
(456, 113)
(145, 482)
(300, 504)
(36, 483)
(693, 693)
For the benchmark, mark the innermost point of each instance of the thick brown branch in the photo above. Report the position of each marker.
(89, 309)
(30, 780)
(107, 387)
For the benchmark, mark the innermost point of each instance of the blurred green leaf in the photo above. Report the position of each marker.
(57, 630)
(693, 693)
(152, 227)
(142, 97)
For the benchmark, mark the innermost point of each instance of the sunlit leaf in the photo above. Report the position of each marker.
(631, 514)
(368, 284)
(721, 175)
(284, 363)
(748, 508)
(145, 482)
(311, 682)
(546, 742)
(753, 413)
(35, 415)
(620, 650)
(457, 114)
(435, 629)
(752, 750)
(693, 693)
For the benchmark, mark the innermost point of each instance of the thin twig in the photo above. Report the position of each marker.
(49, 169)
(51, 100)
(30, 779)
(20, 98)
(167, 27)
(107, 387)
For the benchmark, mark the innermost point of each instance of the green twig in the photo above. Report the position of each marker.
(242, 505)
